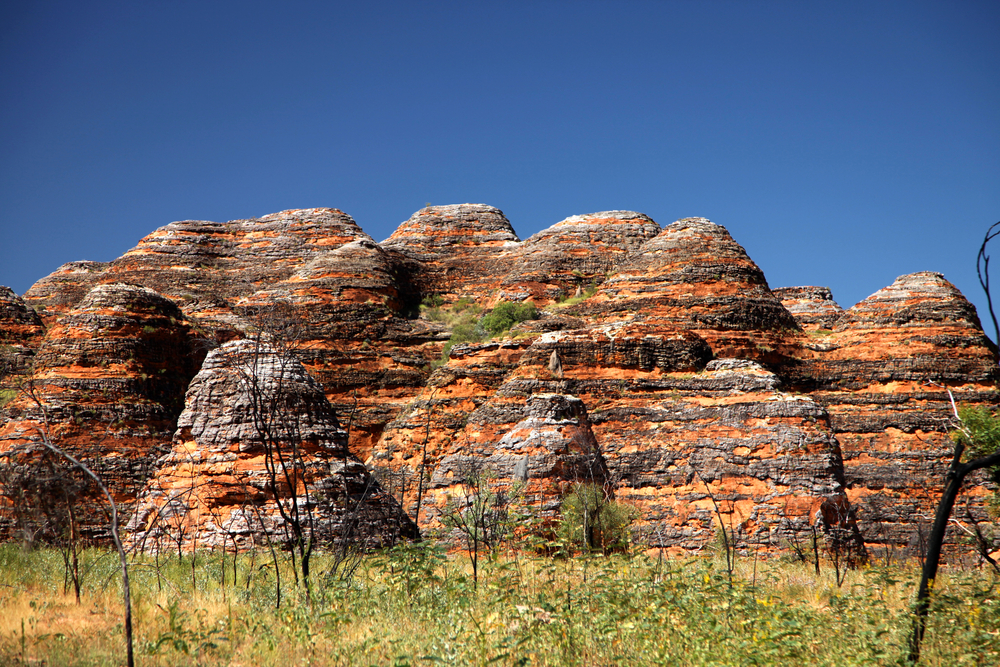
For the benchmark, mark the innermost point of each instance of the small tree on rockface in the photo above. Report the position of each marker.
(593, 521)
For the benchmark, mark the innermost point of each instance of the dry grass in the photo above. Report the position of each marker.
(415, 606)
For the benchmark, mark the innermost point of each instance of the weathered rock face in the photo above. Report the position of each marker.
(534, 451)
(414, 443)
(456, 248)
(54, 295)
(110, 376)
(258, 435)
(812, 307)
(682, 357)
(678, 431)
(572, 255)
(308, 275)
(206, 266)
(881, 375)
(694, 276)
(20, 332)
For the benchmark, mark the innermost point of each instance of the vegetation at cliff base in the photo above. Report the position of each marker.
(415, 605)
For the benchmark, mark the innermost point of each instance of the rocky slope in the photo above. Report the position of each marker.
(454, 250)
(572, 255)
(812, 307)
(883, 375)
(662, 367)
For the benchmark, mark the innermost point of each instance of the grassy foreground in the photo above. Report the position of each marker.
(416, 607)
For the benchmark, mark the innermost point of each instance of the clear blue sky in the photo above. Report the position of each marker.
(842, 143)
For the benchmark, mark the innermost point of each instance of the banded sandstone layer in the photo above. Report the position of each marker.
(693, 382)
(107, 386)
(259, 454)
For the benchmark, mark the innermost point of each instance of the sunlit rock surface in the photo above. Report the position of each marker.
(701, 386)
(456, 248)
(108, 386)
(573, 255)
(258, 445)
(812, 307)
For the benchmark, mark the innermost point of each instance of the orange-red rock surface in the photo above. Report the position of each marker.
(20, 331)
(572, 255)
(109, 379)
(678, 369)
(882, 375)
(694, 276)
(812, 307)
(257, 435)
(455, 249)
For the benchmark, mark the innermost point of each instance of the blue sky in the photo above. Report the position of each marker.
(843, 144)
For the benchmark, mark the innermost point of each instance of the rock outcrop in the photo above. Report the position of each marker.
(455, 249)
(259, 450)
(679, 430)
(54, 295)
(108, 385)
(676, 371)
(882, 375)
(573, 255)
(812, 307)
(537, 451)
(20, 332)
(694, 276)
(309, 275)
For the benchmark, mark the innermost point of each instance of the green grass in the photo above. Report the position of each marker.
(417, 607)
(574, 300)
(469, 326)
(6, 396)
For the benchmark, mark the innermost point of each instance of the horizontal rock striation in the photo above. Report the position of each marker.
(812, 307)
(414, 443)
(675, 437)
(694, 276)
(574, 254)
(259, 452)
(531, 452)
(54, 295)
(882, 374)
(21, 333)
(455, 249)
(107, 386)
(699, 385)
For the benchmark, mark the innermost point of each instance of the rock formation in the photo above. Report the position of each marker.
(573, 255)
(54, 295)
(812, 307)
(694, 276)
(455, 248)
(881, 374)
(538, 450)
(108, 385)
(257, 449)
(676, 372)
(20, 332)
